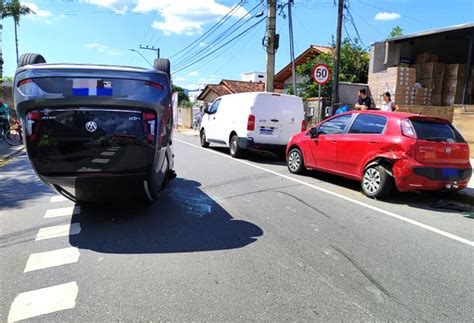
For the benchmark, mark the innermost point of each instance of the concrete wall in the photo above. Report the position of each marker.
(464, 122)
(348, 92)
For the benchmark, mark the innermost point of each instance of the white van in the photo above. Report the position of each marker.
(255, 120)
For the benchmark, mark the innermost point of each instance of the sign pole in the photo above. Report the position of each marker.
(319, 103)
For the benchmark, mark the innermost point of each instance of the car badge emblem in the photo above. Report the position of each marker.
(448, 150)
(91, 126)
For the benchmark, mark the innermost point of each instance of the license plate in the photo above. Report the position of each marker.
(266, 131)
(449, 172)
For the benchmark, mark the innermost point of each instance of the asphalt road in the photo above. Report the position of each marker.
(232, 240)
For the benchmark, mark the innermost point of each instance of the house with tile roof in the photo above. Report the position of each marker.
(213, 91)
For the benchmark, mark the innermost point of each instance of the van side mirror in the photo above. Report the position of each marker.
(206, 110)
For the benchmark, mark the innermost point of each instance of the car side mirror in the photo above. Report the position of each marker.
(206, 110)
(314, 133)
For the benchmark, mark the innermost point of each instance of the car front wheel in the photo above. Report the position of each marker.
(376, 182)
(295, 161)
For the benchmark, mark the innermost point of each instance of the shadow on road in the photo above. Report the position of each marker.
(19, 183)
(184, 219)
(260, 157)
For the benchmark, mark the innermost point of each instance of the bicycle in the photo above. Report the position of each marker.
(14, 136)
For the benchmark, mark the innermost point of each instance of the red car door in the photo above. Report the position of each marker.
(363, 139)
(324, 146)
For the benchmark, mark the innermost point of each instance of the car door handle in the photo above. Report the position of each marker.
(372, 142)
(274, 120)
(334, 141)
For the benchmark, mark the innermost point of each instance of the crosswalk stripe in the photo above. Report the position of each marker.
(58, 231)
(52, 258)
(58, 198)
(64, 211)
(100, 161)
(108, 153)
(43, 301)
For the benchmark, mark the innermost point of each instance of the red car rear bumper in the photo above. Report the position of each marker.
(407, 176)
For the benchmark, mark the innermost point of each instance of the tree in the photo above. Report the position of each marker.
(396, 31)
(354, 68)
(182, 97)
(15, 10)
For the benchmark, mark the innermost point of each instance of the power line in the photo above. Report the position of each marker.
(220, 47)
(378, 8)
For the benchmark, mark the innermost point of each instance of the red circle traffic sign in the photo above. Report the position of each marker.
(321, 74)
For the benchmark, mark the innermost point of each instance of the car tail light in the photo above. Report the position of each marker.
(407, 128)
(25, 81)
(149, 125)
(304, 124)
(33, 120)
(251, 123)
(155, 85)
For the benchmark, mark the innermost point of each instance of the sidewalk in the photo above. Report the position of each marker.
(7, 151)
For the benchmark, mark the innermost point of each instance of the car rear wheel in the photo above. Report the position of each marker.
(30, 59)
(376, 182)
(204, 142)
(235, 150)
(295, 161)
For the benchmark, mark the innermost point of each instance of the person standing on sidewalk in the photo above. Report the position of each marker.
(4, 116)
(364, 102)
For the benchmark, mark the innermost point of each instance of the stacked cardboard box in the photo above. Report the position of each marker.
(399, 81)
(452, 84)
(422, 96)
(431, 75)
(426, 58)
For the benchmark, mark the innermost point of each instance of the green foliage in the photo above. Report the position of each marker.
(354, 68)
(396, 31)
(15, 10)
(182, 97)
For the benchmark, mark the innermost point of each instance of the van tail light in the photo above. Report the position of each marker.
(407, 129)
(149, 126)
(304, 124)
(155, 85)
(251, 123)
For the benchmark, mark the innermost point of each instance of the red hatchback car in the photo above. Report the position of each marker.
(383, 149)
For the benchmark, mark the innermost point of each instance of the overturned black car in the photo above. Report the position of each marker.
(97, 133)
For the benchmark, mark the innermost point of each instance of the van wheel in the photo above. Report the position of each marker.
(30, 59)
(376, 182)
(204, 142)
(295, 161)
(235, 150)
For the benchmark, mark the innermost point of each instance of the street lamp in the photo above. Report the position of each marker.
(136, 51)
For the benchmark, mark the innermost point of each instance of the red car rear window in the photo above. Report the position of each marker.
(435, 131)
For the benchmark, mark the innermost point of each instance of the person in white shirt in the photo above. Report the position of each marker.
(387, 104)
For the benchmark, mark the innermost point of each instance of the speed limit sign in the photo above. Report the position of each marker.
(321, 74)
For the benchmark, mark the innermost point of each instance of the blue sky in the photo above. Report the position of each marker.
(103, 31)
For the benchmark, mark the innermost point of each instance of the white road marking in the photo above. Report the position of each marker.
(58, 198)
(52, 258)
(100, 161)
(374, 208)
(87, 169)
(43, 301)
(113, 148)
(58, 231)
(108, 153)
(64, 211)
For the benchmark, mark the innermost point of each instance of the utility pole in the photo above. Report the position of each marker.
(270, 42)
(337, 63)
(292, 46)
(157, 50)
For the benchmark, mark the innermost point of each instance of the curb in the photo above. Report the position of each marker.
(15, 152)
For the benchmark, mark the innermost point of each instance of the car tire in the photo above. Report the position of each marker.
(204, 142)
(30, 59)
(295, 161)
(235, 150)
(376, 182)
(162, 65)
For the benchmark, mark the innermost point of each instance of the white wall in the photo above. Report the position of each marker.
(256, 77)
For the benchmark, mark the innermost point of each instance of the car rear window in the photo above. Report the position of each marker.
(435, 131)
(368, 124)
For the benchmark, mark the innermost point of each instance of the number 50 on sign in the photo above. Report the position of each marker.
(321, 74)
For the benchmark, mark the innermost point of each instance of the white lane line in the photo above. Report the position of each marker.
(113, 149)
(108, 153)
(64, 211)
(374, 208)
(58, 231)
(52, 258)
(43, 301)
(100, 161)
(58, 198)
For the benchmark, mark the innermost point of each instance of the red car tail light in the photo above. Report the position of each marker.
(23, 82)
(304, 124)
(155, 85)
(251, 123)
(407, 128)
(149, 125)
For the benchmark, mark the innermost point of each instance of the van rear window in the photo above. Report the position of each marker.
(434, 131)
